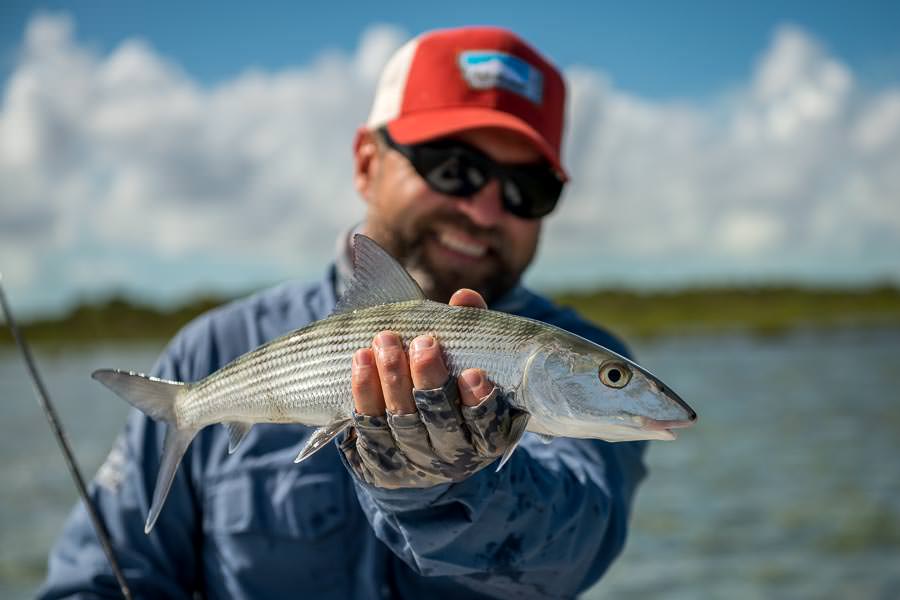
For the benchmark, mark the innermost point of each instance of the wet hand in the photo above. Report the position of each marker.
(414, 425)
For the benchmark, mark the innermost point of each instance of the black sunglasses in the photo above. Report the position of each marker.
(451, 167)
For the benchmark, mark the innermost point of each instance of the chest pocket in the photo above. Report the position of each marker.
(270, 530)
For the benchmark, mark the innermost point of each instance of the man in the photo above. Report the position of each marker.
(458, 163)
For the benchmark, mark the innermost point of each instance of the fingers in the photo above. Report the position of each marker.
(443, 430)
(439, 412)
(467, 297)
(366, 386)
(474, 386)
(485, 412)
(427, 363)
(489, 424)
(374, 456)
(393, 371)
(384, 379)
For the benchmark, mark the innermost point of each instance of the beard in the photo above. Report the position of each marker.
(497, 272)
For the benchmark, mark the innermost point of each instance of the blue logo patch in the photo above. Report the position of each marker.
(486, 69)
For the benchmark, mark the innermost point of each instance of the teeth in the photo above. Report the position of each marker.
(474, 250)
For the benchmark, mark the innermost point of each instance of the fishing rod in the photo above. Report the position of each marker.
(57, 428)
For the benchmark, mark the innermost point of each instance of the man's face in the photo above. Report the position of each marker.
(447, 242)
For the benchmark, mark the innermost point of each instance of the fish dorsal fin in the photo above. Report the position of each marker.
(377, 279)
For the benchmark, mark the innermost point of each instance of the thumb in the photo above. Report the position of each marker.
(467, 297)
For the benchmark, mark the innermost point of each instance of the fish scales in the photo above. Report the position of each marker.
(305, 357)
(305, 376)
(565, 385)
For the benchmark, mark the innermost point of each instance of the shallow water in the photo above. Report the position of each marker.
(38, 491)
(788, 487)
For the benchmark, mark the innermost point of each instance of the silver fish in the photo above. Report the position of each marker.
(567, 385)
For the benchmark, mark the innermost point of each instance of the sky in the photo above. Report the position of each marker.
(163, 150)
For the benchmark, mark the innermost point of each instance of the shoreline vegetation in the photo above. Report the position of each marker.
(758, 310)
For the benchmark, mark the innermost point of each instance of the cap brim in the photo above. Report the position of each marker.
(421, 127)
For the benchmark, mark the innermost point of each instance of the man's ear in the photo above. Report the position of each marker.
(366, 162)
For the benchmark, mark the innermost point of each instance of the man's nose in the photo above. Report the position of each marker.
(484, 207)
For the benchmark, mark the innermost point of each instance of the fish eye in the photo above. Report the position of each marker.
(615, 374)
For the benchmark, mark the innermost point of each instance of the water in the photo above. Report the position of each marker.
(37, 491)
(789, 487)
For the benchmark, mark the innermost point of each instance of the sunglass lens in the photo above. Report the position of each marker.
(445, 176)
(451, 172)
(512, 197)
(452, 168)
(476, 177)
(531, 193)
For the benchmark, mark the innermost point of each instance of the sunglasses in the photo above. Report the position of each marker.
(529, 191)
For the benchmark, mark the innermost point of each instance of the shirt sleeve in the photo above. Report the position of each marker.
(548, 525)
(160, 565)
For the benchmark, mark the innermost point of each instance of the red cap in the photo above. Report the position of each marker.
(451, 80)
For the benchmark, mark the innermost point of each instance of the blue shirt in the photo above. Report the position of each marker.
(255, 525)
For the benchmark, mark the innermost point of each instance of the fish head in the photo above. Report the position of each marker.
(575, 388)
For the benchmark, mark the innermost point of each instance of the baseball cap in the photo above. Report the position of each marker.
(447, 81)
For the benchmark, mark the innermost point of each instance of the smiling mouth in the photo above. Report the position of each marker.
(463, 245)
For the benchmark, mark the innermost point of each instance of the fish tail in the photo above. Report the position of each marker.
(156, 398)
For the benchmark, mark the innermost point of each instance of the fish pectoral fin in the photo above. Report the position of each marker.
(320, 437)
(516, 431)
(177, 441)
(377, 279)
(237, 431)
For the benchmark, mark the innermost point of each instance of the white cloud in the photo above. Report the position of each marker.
(793, 174)
(879, 125)
(125, 155)
(748, 233)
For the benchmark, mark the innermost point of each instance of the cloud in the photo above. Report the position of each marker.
(125, 153)
(792, 174)
(124, 162)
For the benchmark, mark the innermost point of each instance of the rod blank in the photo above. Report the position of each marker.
(59, 434)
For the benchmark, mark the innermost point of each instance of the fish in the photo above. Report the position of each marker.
(563, 384)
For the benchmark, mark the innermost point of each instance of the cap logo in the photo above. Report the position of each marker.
(487, 69)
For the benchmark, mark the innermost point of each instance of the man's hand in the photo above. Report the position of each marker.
(410, 430)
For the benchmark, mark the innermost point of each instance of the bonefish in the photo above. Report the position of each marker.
(564, 384)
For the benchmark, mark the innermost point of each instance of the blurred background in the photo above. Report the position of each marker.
(734, 214)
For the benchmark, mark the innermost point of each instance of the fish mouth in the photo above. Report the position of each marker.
(667, 426)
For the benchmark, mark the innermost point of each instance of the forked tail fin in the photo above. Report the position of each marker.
(156, 398)
(152, 396)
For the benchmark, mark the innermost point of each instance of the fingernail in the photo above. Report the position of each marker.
(386, 339)
(473, 379)
(422, 343)
(363, 358)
